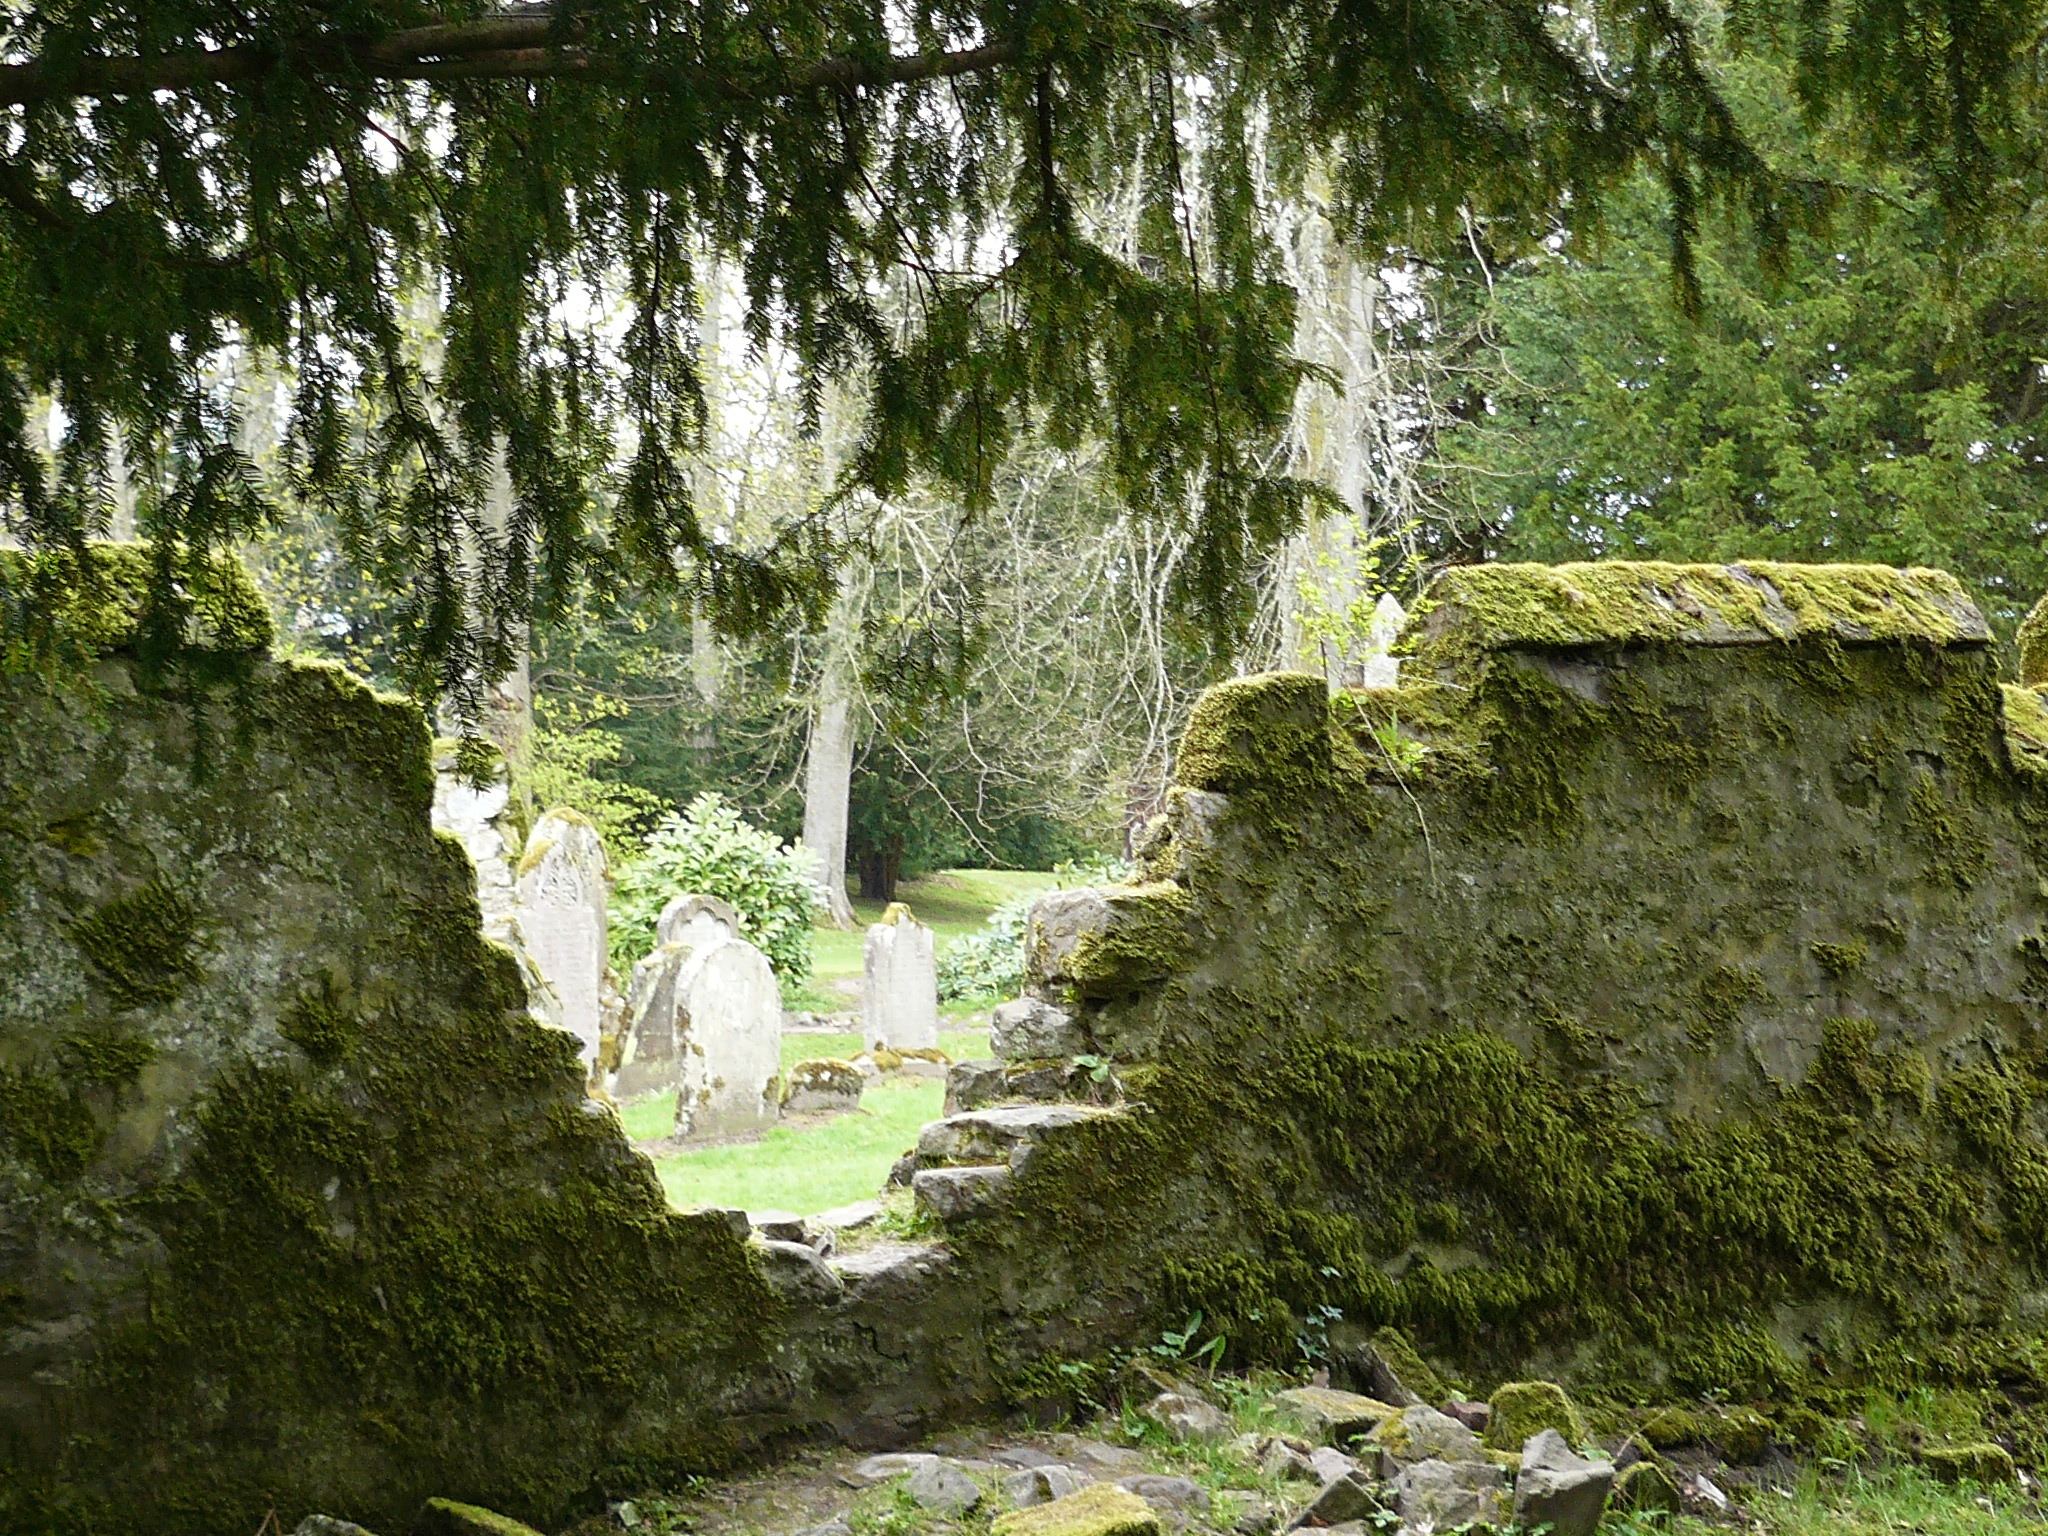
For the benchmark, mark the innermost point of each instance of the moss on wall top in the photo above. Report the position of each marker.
(1472, 609)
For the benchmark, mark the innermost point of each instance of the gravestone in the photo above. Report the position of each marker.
(705, 1020)
(728, 1030)
(696, 920)
(475, 815)
(900, 997)
(563, 885)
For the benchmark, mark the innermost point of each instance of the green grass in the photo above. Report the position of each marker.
(847, 1158)
(816, 1167)
(1880, 1502)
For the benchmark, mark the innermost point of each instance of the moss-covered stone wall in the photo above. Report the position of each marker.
(298, 1209)
(1649, 992)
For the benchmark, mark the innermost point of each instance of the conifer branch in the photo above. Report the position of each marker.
(503, 47)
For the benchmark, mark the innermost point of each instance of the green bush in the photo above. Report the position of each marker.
(709, 850)
(991, 962)
(988, 963)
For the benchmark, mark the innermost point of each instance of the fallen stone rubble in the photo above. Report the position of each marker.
(1327, 1460)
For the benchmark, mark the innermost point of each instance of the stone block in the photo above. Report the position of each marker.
(1187, 1417)
(1559, 1488)
(1353, 1496)
(949, 1194)
(1041, 1485)
(1029, 1029)
(1445, 1495)
(943, 1488)
(1422, 1434)
(997, 1135)
(1334, 1417)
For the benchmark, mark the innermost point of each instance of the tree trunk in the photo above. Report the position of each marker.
(881, 868)
(828, 777)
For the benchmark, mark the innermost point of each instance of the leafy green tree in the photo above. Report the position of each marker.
(1866, 397)
(180, 178)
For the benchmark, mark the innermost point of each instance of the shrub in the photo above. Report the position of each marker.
(710, 850)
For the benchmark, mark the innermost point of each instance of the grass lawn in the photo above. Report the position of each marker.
(815, 1168)
(844, 1159)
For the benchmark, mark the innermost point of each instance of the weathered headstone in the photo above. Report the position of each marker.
(900, 996)
(700, 921)
(705, 1020)
(729, 1042)
(563, 885)
(476, 815)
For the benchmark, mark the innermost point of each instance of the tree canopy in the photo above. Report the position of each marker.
(1879, 396)
(1067, 195)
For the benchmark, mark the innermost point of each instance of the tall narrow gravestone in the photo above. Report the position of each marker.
(563, 884)
(900, 996)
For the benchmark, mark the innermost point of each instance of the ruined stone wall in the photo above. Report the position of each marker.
(298, 1207)
(1650, 992)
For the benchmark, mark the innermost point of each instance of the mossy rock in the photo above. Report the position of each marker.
(445, 1517)
(1668, 1428)
(1401, 1357)
(1525, 1408)
(1645, 1487)
(1335, 1417)
(1986, 1464)
(1742, 1434)
(1101, 1509)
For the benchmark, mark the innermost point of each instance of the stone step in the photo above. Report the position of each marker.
(948, 1194)
(985, 1084)
(1004, 1135)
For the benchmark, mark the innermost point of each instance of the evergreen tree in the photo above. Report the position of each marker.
(1874, 395)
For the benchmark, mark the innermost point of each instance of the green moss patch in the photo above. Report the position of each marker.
(142, 944)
